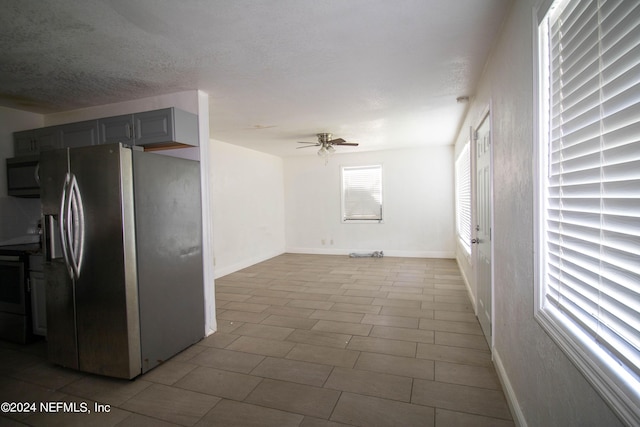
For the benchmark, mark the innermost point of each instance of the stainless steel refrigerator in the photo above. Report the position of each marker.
(123, 258)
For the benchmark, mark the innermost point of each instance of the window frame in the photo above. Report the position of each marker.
(343, 218)
(617, 386)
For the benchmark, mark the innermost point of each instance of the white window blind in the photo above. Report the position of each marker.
(362, 193)
(463, 198)
(590, 77)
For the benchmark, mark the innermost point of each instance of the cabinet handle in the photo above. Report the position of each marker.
(128, 131)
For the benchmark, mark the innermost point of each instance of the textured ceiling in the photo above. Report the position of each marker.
(383, 73)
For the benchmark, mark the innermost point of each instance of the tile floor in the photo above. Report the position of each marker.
(303, 340)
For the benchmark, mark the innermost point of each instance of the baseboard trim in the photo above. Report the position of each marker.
(392, 253)
(509, 392)
(467, 285)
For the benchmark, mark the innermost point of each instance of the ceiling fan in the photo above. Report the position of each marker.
(326, 144)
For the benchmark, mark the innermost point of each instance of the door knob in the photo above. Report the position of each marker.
(475, 241)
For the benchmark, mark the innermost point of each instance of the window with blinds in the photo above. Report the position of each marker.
(362, 193)
(589, 219)
(463, 198)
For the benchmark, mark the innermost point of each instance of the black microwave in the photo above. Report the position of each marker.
(22, 176)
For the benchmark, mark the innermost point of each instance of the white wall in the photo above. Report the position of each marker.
(248, 199)
(417, 204)
(543, 384)
(18, 216)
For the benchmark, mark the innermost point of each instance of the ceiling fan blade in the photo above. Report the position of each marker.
(353, 144)
(336, 141)
(307, 142)
(307, 146)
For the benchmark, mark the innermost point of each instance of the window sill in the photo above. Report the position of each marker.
(618, 388)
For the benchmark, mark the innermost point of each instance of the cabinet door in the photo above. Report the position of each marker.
(38, 303)
(79, 134)
(116, 129)
(24, 143)
(153, 127)
(47, 138)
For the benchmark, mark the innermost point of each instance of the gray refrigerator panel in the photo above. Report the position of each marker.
(62, 345)
(107, 319)
(169, 255)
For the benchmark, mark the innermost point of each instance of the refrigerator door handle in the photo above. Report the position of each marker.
(63, 225)
(76, 233)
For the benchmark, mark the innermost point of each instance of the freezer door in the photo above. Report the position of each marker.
(107, 315)
(62, 344)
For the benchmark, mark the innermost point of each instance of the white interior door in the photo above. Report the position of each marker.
(483, 226)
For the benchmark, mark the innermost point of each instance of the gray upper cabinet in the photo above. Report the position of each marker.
(165, 127)
(29, 142)
(116, 129)
(79, 134)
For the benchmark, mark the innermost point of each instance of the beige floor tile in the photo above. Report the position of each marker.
(219, 383)
(105, 390)
(454, 354)
(235, 361)
(356, 308)
(261, 346)
(361, 293)
(351, 299)
(137, 420)
(338, 316)
(319, 422)
(461, 398)
(320, 338)
(396, 302)
(384, 346)
(264, 300)
(169, 372)
(245, 306)
(242, 316)
(323, 355)
(219, 339)
(446, 418)
(293, 371)
(461, 340)
(455, 316)
(290, 322)
(289, 311)
(403, 334)
(47, 375)
(396, 365)
(227, 326)
(228, 413)
(370, 383)
(226, 296)
(417, 313)
(297, 398)
(447, 326)
(477, 376)
(316, 305)
(398, 321)
(264, 331)
(342, 327)
(366, 411)
(171, 404)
